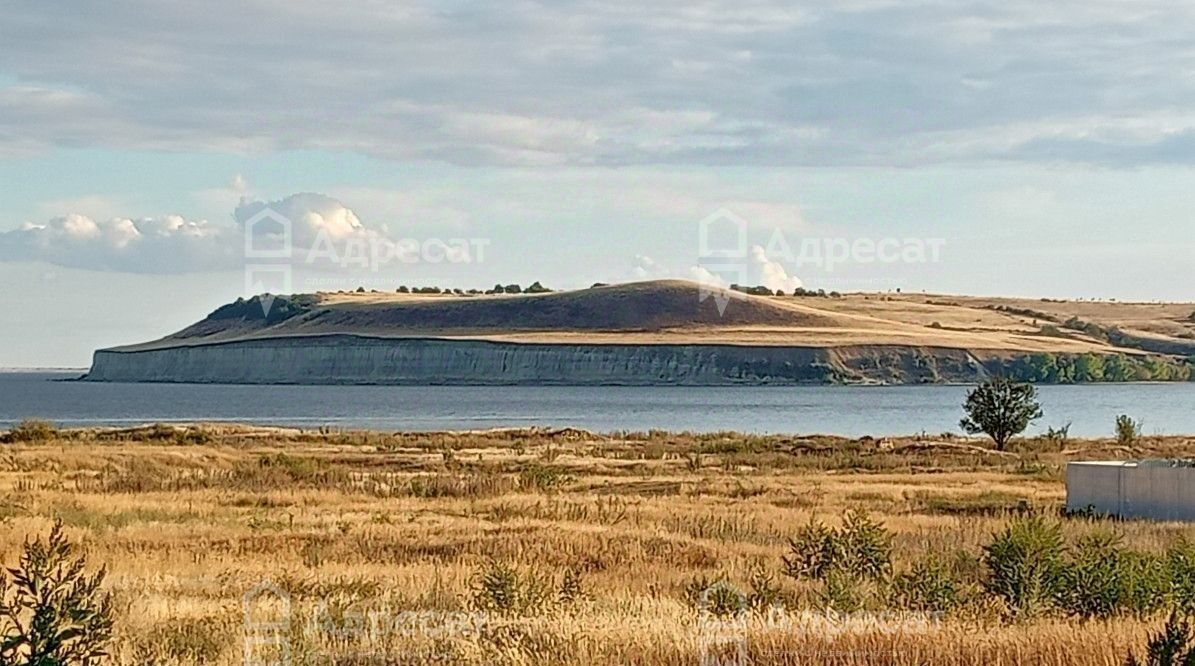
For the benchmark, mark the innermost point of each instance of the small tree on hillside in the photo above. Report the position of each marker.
(1002, 409)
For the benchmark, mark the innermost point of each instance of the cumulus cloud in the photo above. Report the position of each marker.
(707, 277)
(174, 244)
(758, 269)
(169, 244)
(310, 216)
(772, 274)
(758, 82)
(647, 268)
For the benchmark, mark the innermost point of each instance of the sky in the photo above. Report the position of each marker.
(1011, 148)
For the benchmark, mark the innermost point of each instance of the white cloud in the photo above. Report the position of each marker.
(174, 244)
(647, 268)
(772, 274)
(707, 277)
(169, 244)
(763, 82)
(311, 215)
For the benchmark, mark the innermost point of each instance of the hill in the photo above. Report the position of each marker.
(675, 311)
(662, 332)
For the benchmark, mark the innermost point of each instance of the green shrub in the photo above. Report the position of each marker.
(51, 612)
(1091, 583)
(764, 591)
(1180, 569)
(845, 592)
(1147, 583)
(542, 478)
(715, 596)
(1128, 430)
(861, 548)
(503, 590)
(1171, 647)
(811, 552)
(1058, 437)
(930, 585)
(1024, 563)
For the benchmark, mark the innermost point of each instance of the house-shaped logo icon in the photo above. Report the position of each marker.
(268, 235)
(267, 625)
(722, 234)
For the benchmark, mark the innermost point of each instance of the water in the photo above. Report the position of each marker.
(843, 410)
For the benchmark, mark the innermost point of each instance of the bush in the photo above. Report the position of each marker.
(542, 478)
(715, 596)
(1128, 430)
(764, 591)
(1102, 579)
(33, 430)
(846, 593)
(811, 552)
(1171, 647)
(51, 612)
(1090, 585)
(1058, 437)
(1024, 564)
(861, 547)
(929, 586)
(1180, 569)
(1147, 583)
(502, 590)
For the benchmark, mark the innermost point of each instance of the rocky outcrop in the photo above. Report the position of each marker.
(352, 359)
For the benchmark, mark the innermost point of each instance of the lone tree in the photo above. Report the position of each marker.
(1001, 408)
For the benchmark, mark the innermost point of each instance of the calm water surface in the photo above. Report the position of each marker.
(843, 410)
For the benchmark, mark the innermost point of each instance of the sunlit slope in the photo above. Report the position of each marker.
(680, 312)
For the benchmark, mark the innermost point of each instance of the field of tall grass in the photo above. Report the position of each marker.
(568, 547)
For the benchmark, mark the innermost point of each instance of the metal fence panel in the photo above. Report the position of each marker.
(1156, 490)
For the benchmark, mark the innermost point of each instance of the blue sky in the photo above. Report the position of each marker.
(1050, 148)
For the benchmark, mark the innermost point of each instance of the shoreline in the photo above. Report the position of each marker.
(254, 430)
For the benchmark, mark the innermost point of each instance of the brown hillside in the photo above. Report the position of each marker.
(674, 312)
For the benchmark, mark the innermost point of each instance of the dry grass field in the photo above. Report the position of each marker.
(547, 547)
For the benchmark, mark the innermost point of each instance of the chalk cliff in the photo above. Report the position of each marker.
(661, 332)
(350, 359)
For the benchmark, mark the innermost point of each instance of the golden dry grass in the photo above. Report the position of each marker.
(400, 526)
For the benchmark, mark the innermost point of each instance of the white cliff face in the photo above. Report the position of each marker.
(346, 359)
